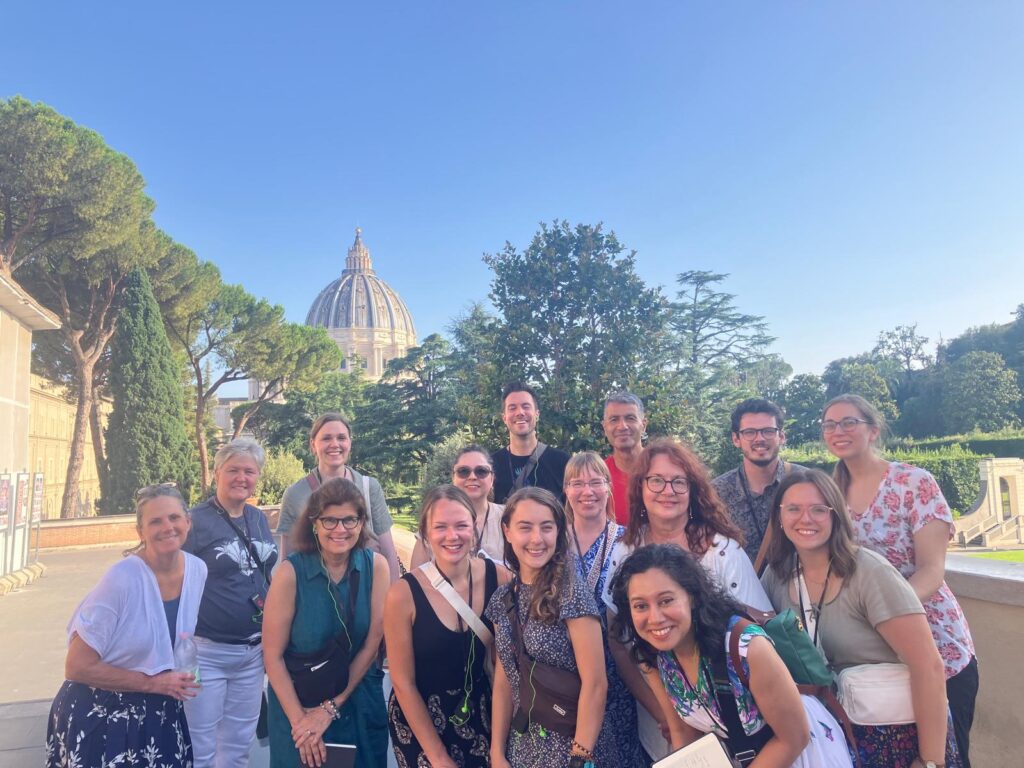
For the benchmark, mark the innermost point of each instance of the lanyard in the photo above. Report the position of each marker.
(594, 575)
(811, 613)
(750, 498)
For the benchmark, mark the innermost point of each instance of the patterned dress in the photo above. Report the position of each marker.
(907, 500)
(441, 657)
(620, 717)
(550, 644)
(697, 706)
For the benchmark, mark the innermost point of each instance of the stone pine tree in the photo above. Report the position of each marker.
(146, 438)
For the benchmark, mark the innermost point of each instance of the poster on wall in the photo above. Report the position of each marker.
(5, 501)
(21, 500)
(37, 497)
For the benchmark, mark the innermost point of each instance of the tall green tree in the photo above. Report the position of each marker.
(74, 222)
(979, 391)
(803, 399)
(864, 379)
(146, 438)
(714, 343)
(575, 319)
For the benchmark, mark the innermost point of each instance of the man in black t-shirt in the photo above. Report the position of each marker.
(520, 413)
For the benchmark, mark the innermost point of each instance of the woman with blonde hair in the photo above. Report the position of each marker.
(590, 508)
(439, 709)
(898, 511)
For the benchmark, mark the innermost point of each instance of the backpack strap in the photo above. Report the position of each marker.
(531, 464)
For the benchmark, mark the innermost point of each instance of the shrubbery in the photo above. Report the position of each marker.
(280, 470)
(954, 467)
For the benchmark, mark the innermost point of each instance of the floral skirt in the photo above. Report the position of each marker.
(468, 743)
(94, 727)
(895, 746)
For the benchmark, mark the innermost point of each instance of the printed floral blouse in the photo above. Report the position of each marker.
(908, 499)
(696, 704)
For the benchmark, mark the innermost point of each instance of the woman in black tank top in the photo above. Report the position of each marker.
(439, 711)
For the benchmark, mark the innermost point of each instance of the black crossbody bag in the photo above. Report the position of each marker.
(323, 674)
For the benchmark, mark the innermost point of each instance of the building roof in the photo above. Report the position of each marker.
(360, 299)
(16, 300)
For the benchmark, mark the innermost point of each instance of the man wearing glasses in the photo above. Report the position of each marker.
(525, 461)
(748, 490)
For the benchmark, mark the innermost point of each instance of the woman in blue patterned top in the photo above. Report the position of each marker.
(593, 533)
(680, 623)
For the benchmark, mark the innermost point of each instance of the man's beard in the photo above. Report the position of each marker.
(764, 462)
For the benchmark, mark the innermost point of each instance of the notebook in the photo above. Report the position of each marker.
(705, 752)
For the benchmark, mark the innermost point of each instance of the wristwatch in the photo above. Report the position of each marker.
(930, 763)
(578, 761)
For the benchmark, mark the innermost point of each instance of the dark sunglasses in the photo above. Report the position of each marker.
(479, 472)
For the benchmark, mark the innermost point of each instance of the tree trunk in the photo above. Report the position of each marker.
(204, 463)
(98, 448)
(84, 370)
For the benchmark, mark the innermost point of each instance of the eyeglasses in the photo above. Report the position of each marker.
(766, 432)
(478, 472)
(843, 425)
(595, 485)
(816, 510)
(330, 523)
(656, 484)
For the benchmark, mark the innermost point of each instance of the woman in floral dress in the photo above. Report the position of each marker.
(898, 511)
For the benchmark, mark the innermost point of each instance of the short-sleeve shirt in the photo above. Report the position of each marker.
(908, 498)
(620, 490)
(847, 626)
(750, 511)
(548, 474)
(227, 613)
(296, 496)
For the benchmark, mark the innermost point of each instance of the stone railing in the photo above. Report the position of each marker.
(992, 595)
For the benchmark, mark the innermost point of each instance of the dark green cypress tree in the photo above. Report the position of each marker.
(146, 438)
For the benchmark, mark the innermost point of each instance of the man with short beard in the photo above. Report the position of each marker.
(525, 461)
(748, 490)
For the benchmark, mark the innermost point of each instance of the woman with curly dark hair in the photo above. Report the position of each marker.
(672, 501)
(680, 624)
(546, 617)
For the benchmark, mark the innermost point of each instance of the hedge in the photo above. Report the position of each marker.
(1005, 445)
(954, 467)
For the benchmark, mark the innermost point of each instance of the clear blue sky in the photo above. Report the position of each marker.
(854, 166)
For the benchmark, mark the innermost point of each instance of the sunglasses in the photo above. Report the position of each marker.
(478, 472)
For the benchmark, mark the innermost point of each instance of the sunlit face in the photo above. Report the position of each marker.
(520, 414)
(660, 608)
(533, 535)
(853, 442)
(668, 505)
(479, 480)
(588, 494)
(623, 426)
(236, 479)
(164, 525)
(341, 539)
(805, 518)
(759, 449)
(331, 445)
(450, 532)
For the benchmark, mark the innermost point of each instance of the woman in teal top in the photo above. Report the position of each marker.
(309, 603)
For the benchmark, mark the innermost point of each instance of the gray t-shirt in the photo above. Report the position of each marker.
(875, 593)
(293, 503)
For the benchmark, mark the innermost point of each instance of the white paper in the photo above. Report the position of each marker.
(705, 752)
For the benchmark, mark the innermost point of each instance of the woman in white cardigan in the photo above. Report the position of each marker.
(122, 700)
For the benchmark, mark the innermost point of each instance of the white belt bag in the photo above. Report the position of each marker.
(877, 694)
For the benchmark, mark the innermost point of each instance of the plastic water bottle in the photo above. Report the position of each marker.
(186, 656)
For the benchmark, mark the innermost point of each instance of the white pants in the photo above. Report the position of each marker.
(222, 717)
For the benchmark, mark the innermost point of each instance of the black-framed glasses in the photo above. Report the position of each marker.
(479, 472)
(843, 425)
(768, 433)
(348, 523)
(657, 484)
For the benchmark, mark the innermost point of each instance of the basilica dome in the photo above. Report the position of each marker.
(363, 314)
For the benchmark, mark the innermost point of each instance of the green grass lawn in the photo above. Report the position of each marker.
(1012, 555)
(407, 520)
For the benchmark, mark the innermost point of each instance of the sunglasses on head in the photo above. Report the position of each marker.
(479, 472)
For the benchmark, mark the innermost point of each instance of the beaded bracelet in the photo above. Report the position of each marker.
(583, 751)
(330, 708)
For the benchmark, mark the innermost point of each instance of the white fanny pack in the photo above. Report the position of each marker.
(877, 694)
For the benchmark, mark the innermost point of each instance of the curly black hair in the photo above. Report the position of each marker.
(711, 607)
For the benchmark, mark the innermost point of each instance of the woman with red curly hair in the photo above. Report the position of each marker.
(672, 501)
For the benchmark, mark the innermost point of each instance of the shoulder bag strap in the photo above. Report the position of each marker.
(447, 591)
(762, 551)
(531, 464)
(246, 542)
(313, 480)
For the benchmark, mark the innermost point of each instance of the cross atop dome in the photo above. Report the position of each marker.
(358, 259)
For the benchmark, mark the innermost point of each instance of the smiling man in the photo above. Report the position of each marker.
(525, 461)
(624, 426)
(748, 490)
